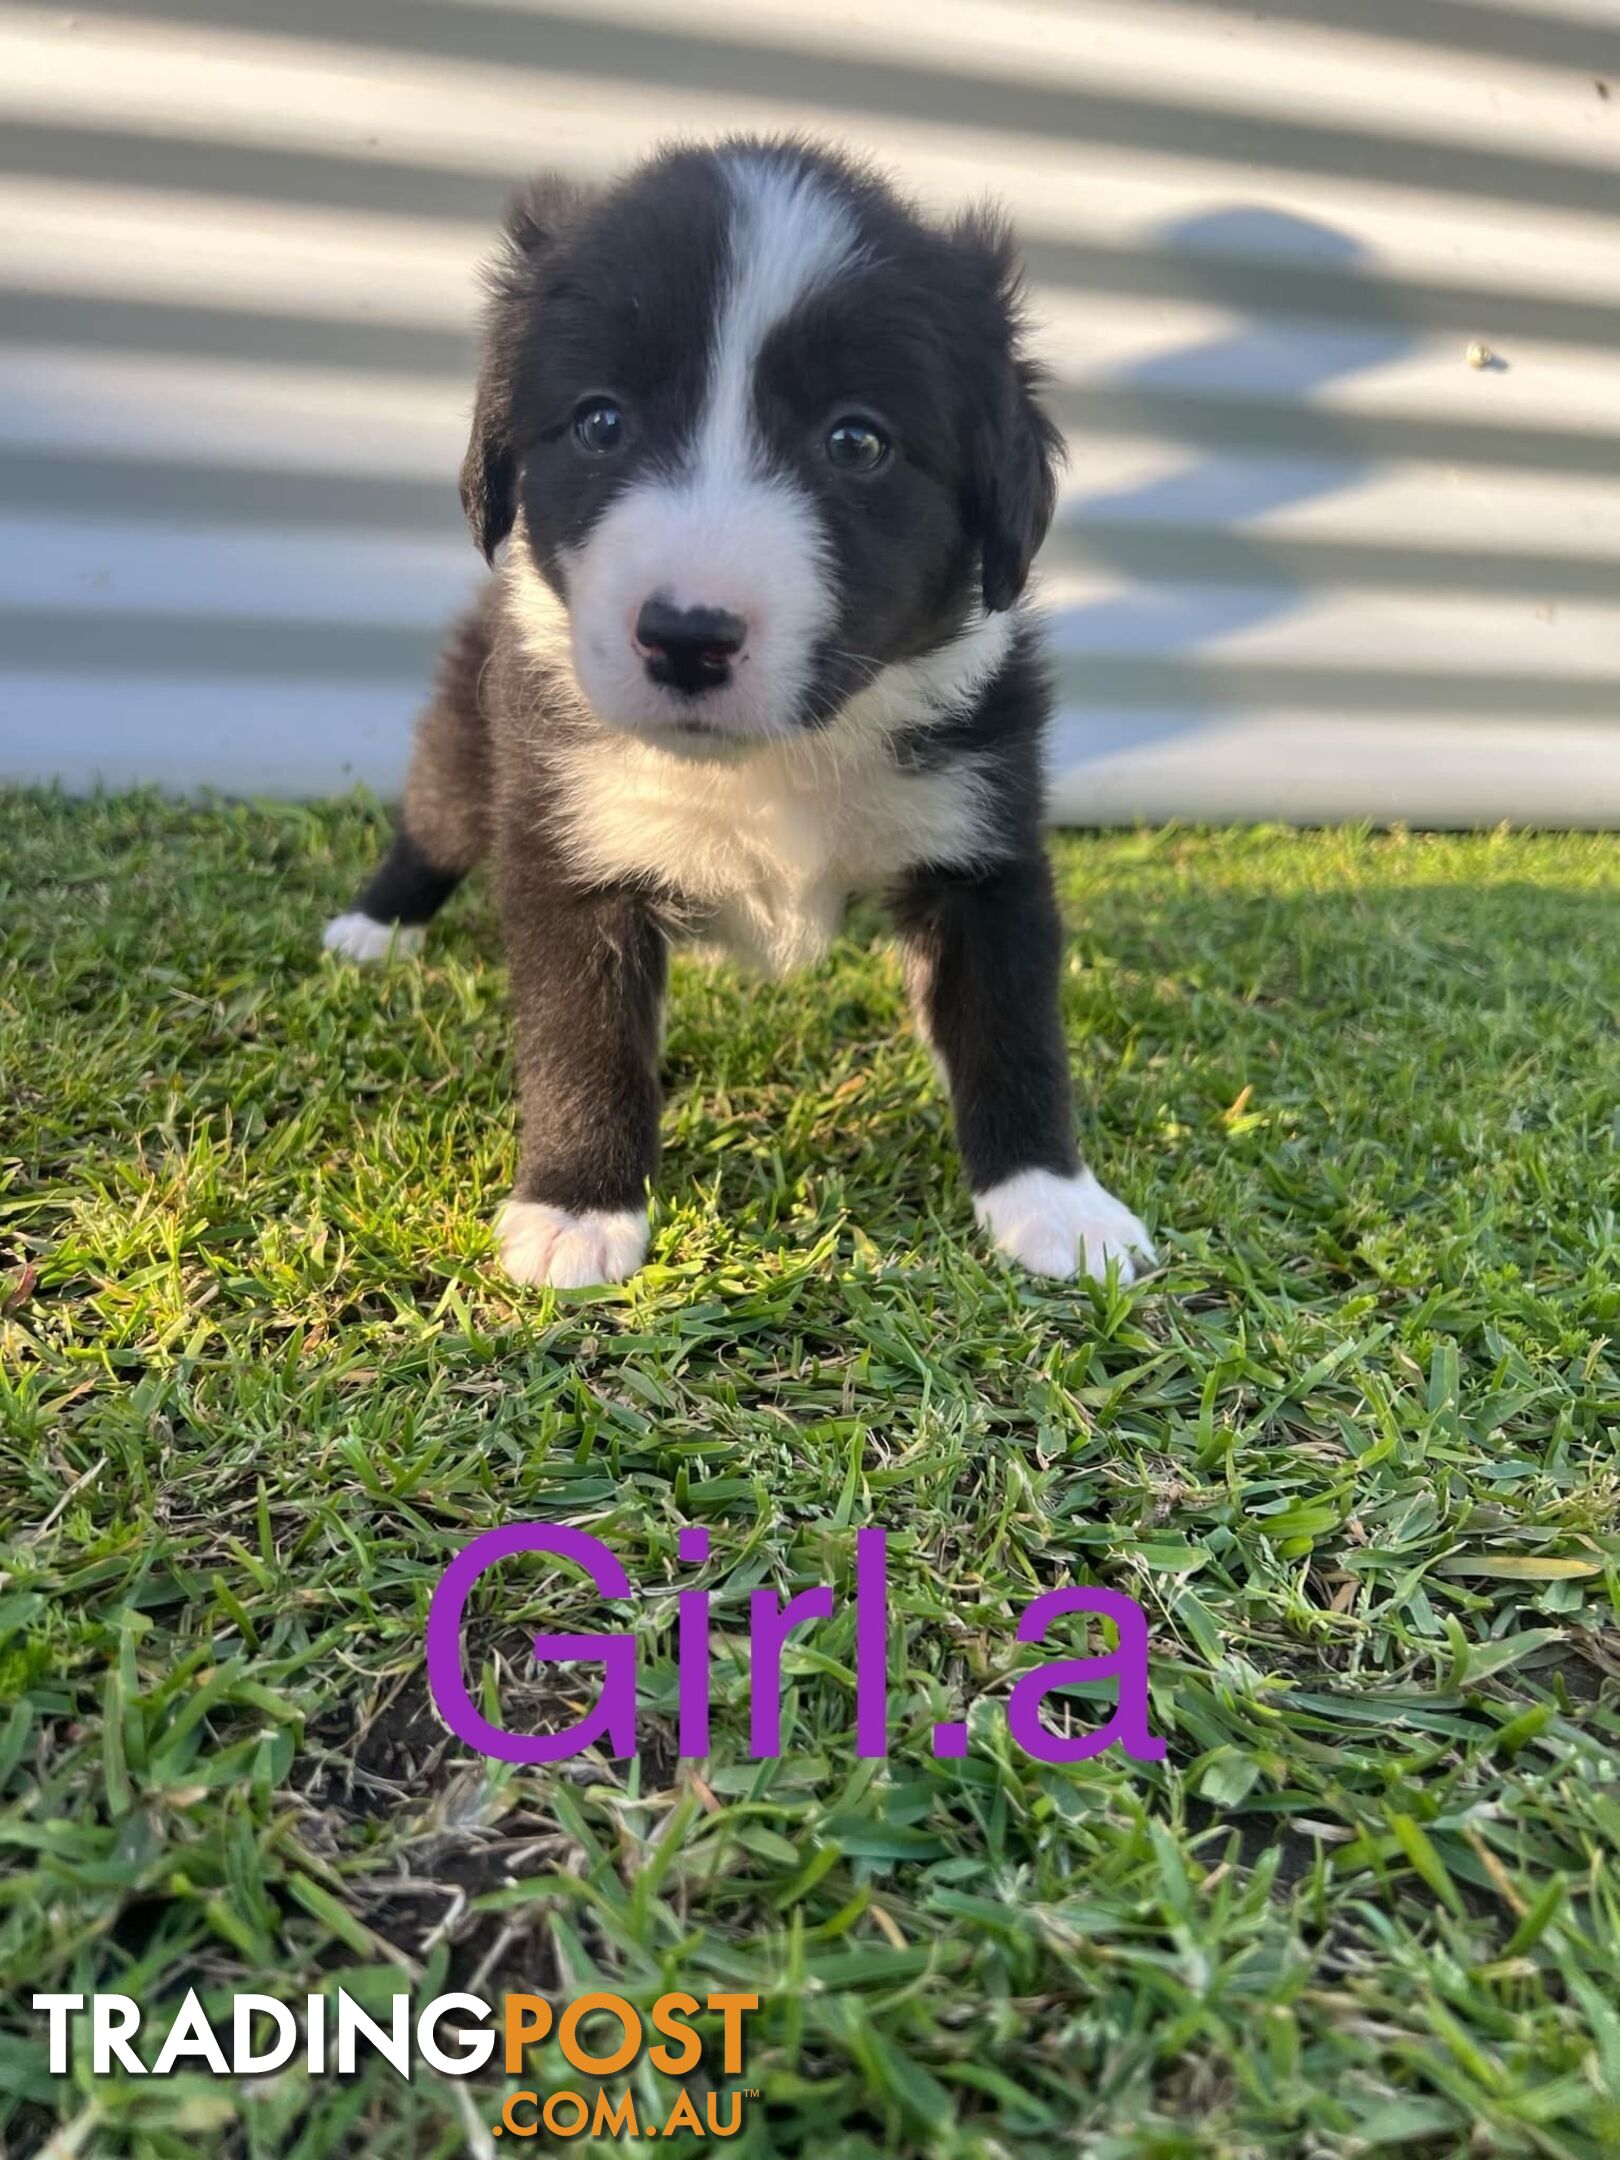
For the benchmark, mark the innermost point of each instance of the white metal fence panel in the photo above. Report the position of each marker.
(1312, 560)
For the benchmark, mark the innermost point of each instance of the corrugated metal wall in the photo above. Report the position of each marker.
(1310, 561)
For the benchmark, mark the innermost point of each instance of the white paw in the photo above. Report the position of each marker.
(1060, 1225)
(543, 1244)
(358, 937)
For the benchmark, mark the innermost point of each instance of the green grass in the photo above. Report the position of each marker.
(1353, 1447)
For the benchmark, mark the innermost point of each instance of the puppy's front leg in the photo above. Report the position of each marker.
(982, 953)
(587, 984)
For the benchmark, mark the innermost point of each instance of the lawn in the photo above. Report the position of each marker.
(1352, 1447)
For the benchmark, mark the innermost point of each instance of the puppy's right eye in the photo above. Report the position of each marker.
(855, 445)
(599, 426)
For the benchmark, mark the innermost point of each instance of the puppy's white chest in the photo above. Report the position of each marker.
(777, 889)
(766, 851)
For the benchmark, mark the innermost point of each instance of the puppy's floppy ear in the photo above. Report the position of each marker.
(1014, 447)
(538, 223)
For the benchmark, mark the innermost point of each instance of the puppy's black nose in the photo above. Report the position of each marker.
(689, 649)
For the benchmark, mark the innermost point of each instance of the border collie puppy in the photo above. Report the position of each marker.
(773, 467)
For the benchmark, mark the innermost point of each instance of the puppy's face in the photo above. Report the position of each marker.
(768, 433)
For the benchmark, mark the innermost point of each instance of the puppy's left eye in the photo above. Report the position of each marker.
(856, 446)
(599, 426)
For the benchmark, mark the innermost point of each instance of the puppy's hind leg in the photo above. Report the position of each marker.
(394, 906)
(443, 826)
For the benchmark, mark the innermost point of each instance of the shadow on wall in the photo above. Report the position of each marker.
(1190, 574)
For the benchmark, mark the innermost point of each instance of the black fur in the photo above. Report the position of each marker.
(586, 1006)
(406, 888)
(537, 226)
(982, 951)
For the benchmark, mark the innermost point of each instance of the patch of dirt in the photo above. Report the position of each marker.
(372, 1759)
(1256, 1834)
(391, 1772)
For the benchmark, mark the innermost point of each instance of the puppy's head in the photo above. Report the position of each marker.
(769, 434)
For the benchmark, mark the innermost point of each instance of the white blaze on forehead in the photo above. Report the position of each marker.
(788, 236)
(721, 530)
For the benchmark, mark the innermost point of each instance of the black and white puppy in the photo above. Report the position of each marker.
(774, 468)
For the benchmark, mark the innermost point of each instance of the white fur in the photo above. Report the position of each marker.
(542, 1244)
(358, 937)
(1053, 1225)
(768, 840)
(722, 532)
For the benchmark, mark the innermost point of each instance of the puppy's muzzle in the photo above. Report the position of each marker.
(689, 649)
